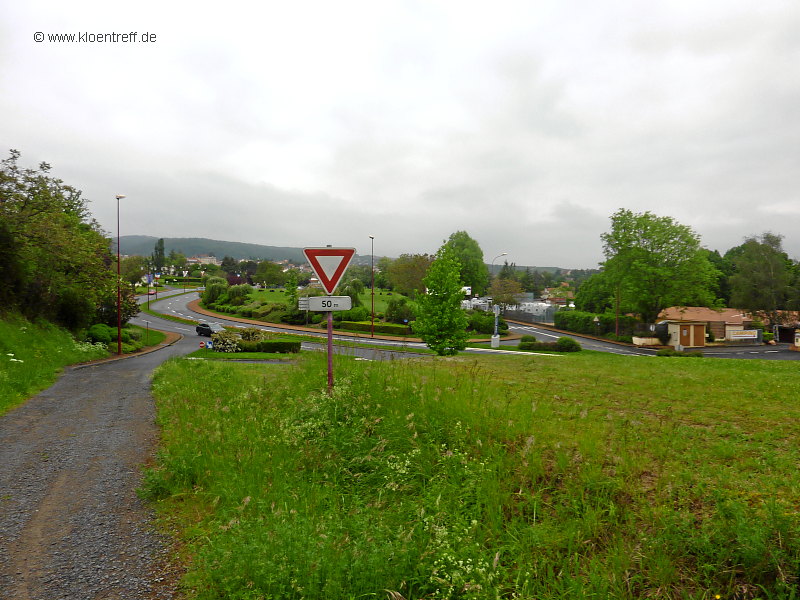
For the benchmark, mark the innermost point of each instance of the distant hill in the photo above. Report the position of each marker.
(143, 245)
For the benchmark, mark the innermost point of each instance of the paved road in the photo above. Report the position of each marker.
(176, 305)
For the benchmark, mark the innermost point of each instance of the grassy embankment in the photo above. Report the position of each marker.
(32, 356)
(585, 475)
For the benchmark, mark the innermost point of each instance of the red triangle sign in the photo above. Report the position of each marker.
(329, 264)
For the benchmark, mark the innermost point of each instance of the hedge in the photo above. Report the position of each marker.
(276, 346)
(388, 328)
(584, 322)
(562, 344)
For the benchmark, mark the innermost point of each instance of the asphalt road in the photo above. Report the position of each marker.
(176, 305)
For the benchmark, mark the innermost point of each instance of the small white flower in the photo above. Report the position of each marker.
(10, 354)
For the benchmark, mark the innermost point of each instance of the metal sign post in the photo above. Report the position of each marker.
(329, 264)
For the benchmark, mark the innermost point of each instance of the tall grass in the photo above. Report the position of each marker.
(516, 477)
(32, 355)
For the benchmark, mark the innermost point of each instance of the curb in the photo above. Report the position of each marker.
(172, 338)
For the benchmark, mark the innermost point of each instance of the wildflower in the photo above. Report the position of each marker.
(10, 354)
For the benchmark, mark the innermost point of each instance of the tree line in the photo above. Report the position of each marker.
(653, 262)
(55, 261)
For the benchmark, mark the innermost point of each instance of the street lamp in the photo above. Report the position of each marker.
(372, 282)
(495, 308)
(119, 291)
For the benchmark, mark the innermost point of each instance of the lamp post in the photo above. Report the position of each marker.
(372, 283)
(119, 291)
(495, 308)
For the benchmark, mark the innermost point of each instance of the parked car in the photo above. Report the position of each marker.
(207, 329)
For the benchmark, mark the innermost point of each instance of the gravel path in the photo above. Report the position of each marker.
(71, 525)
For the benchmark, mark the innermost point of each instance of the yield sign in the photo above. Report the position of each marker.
(329, 264)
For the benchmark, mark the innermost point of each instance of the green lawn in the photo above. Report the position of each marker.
(580, 476)
(32, 356)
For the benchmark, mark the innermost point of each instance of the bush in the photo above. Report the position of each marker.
(357, 313)
(248, 346)
(238, 294)
(767, 336)
(280, 346)
(483, 322)
(528, 338)
(214, 290)
(252, 334)
(99, 333)
(225, 341)
(584, 322)
(399, 311)
(565, 344)
(387, 328)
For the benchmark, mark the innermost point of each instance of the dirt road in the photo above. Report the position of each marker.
(71, 525)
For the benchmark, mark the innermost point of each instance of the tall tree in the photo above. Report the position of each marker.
(655, 262)
(762, 276)
(467, 251)
(56, 263)
(269, 273)
(504, 291)
(596, 294)
(407, 272)
(229, 264)
(159, 258)
(441, 322)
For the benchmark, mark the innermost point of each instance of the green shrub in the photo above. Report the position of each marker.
(528, 338)
(399, 311)
(100, 333)
(238, 294)
(562, 344)
(483, 322)
(279, 346)
(248, 346)
(252, 334)
(767, 336)
(357, 313)
(565, 344)
(387, 328)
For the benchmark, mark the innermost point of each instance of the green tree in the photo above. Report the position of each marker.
(407, 272)
(655, 262)
(159, 259)
(177, 261)
(291, 289)
(269, 273)
(596, 294)
(505, 291)
(441, 322)
(474, 272)
(229, 264)
(760, 283)
(352, 288)
(133, 268)
(56, 263)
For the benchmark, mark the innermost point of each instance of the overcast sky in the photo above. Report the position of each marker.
(525, 123)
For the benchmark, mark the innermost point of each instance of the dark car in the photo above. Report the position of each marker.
(208, 328)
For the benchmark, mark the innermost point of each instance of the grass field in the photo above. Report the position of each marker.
(32, 355)
(579, 476)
